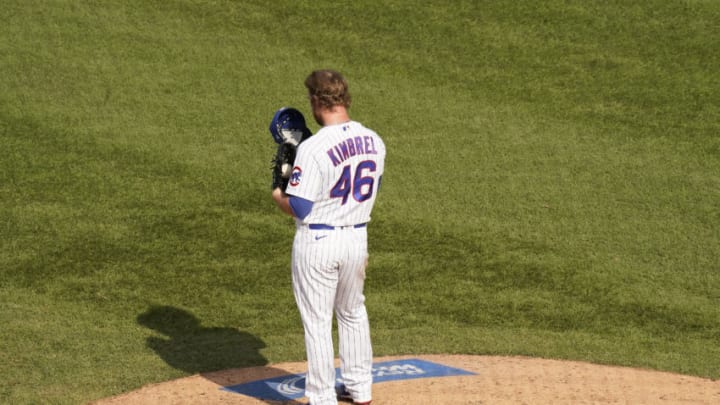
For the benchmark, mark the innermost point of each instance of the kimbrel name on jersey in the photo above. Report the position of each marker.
(358, 145)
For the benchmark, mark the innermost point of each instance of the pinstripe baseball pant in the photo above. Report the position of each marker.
(328, 273)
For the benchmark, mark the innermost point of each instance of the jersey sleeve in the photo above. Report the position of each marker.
(300, 206)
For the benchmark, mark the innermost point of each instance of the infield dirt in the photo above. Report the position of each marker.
(498, 380)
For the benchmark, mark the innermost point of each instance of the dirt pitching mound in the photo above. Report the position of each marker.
(498, 380)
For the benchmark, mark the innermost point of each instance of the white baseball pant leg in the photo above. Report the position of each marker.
(328, 276)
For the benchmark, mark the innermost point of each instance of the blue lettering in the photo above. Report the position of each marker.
(351, 146)
(370, 146)
(345, 153)
(359, 145)
(334, 159)
(339, 152)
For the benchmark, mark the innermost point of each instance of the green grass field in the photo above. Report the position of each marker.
(552, 186)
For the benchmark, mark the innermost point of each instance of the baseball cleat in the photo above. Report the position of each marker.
(344, 395)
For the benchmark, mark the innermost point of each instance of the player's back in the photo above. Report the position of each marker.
(344, 175)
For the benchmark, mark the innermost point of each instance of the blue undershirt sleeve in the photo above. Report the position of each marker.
(300, 206)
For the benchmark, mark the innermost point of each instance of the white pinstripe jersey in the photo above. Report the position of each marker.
(339, 169)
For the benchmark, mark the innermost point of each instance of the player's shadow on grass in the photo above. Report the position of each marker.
(190, 347)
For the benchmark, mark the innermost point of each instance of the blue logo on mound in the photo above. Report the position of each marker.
(293, 386)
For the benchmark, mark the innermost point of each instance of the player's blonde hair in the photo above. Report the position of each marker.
(328, 88)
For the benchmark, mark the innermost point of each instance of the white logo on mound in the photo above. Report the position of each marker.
(288, 387)
(400, 369)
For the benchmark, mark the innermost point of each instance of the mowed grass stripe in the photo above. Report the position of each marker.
(551, 184)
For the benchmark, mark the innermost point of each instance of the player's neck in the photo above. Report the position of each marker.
(336, 115)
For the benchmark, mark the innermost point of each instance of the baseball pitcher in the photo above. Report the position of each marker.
(328, 182)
